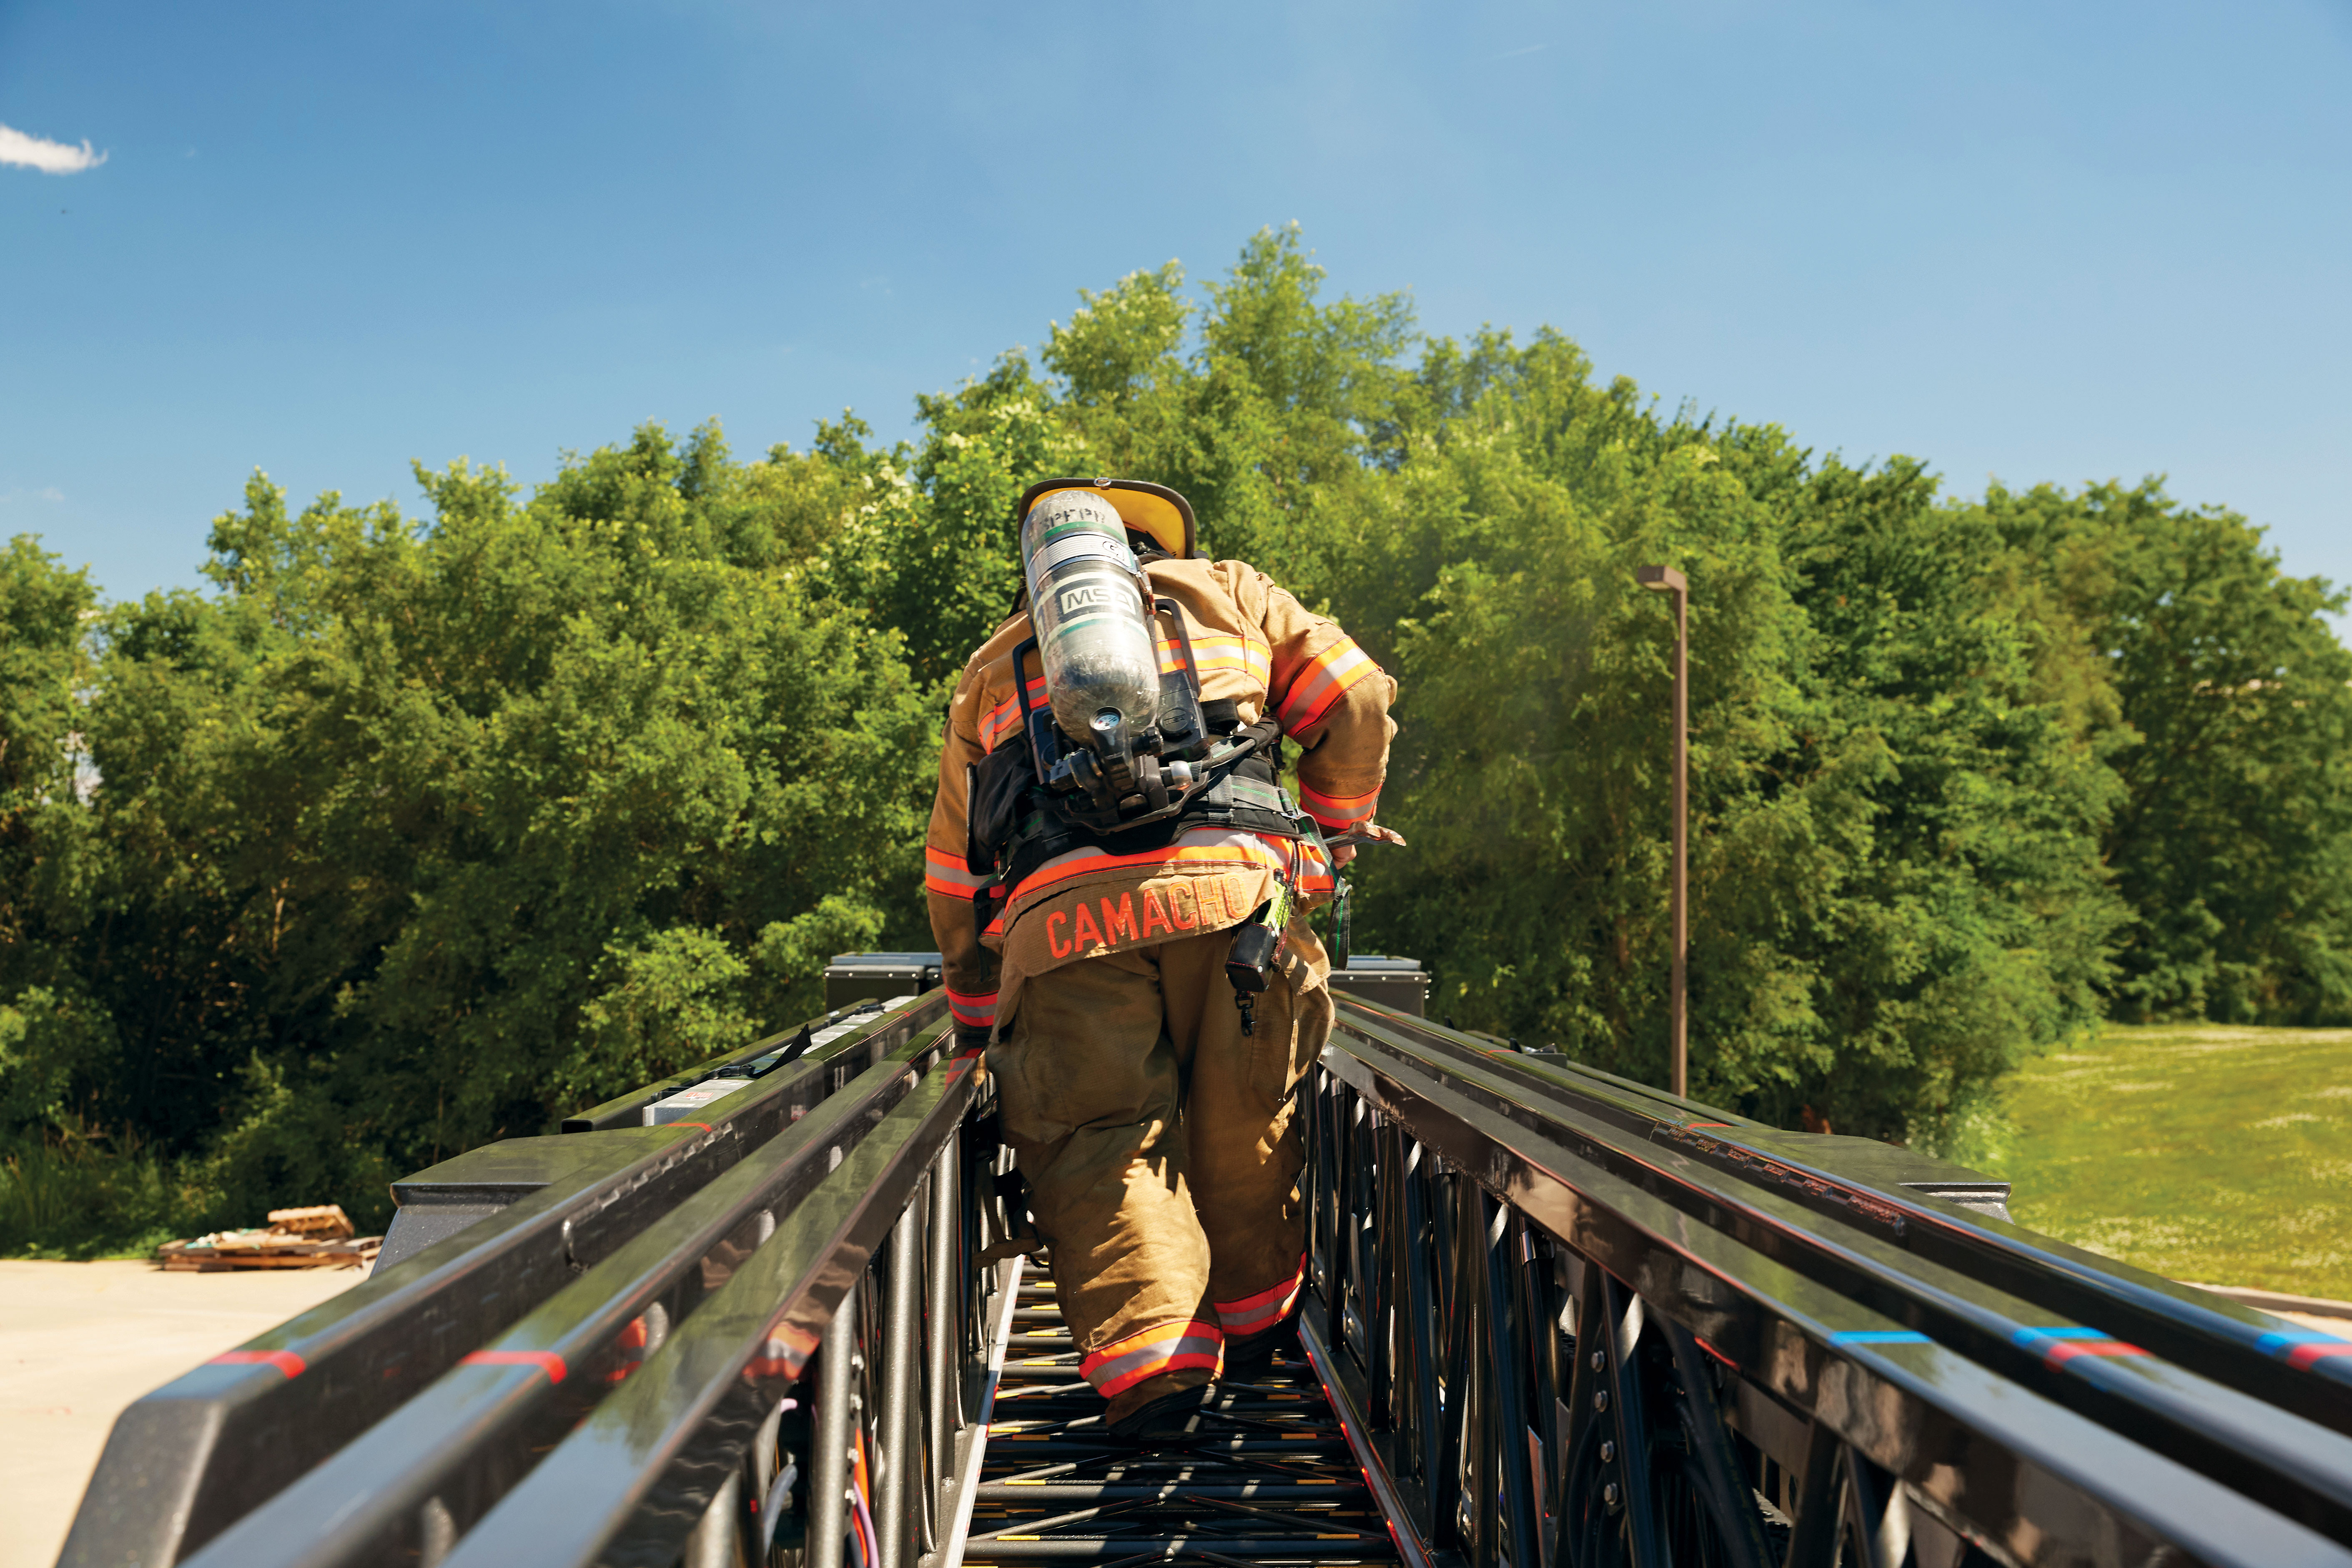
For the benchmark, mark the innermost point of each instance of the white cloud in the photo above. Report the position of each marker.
(49, 157)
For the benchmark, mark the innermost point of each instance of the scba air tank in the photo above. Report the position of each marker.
(1094, 633)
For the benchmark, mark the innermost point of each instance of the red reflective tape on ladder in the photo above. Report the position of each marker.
(285, 1362)
(2064, 1350)
(547, 1362)
(704, 1125)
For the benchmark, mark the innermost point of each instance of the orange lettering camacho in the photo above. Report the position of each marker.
(1053, 943)
(1180, 902)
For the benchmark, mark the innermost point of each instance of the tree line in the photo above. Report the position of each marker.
(417, 831)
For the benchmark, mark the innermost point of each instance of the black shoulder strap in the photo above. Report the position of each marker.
(995, 788)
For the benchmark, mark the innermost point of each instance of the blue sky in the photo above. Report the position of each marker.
(2032, 241)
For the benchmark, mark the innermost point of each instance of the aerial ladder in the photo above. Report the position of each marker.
(786, 1309)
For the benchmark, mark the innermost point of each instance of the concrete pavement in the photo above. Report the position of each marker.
(80, 1341)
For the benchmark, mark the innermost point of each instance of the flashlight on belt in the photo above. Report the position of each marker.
(1257, 949)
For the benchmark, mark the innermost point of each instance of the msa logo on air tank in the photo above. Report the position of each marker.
(1086, 597)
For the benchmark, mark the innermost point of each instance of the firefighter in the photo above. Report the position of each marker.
(1146, 1095)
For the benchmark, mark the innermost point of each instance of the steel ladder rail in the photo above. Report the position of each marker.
(2273, 1453)
(1544, 1177)
(2230, 1343)
(189, 1459)
(641, 1474)
(445, 1458)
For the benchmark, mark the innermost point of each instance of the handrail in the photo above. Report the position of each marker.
(1470, 1205)
(2227, 1342)
(456, 1442)
(630, 1480)
(201, 1453)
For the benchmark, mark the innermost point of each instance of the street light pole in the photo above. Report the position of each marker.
(1665, 579)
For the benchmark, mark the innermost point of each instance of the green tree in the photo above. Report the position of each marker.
(1895, 885)
(1267, 424)
(935, 553)
(427, 834)
(1977, 924)
(52, 1036)
(2233, 843)
(415, 832)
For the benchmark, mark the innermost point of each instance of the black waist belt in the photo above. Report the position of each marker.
(1015, 824)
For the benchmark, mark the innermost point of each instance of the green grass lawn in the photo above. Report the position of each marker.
(2221, 1155)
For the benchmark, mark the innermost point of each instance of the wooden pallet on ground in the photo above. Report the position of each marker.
(274, 1248)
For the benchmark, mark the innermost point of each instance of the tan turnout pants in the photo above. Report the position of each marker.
(1158, 1144)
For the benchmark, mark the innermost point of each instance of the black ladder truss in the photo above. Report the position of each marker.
(1555, 1319)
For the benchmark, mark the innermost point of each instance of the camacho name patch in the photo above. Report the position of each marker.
(1087, 925)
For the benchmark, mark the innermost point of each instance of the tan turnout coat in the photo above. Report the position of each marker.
(1254, 643)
